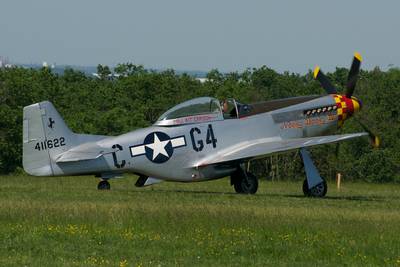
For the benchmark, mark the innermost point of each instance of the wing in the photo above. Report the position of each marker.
(264, 146)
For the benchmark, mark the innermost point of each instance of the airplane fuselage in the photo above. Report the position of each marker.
(170, 152)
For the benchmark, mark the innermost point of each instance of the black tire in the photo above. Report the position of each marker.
(247, 185)
(238, 187)
(103, 185)
(306, 191)
(319, 190)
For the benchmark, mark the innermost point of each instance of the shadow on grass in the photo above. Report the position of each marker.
(371, 198)
(351, 198)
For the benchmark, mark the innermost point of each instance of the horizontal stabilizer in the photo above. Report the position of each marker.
(70, 156)
(87, 151)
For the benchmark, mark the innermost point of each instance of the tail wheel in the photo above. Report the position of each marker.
(246, 183)
(103, 185)
(317, 191)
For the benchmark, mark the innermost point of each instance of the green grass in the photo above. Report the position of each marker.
(65, 221)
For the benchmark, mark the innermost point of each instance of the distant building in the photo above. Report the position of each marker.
(202, 80)
(46, 65)
(111, 76)
(4, 63)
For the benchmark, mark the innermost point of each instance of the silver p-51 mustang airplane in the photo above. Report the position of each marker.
(198, 140)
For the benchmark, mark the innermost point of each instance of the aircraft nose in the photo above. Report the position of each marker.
(346, 107)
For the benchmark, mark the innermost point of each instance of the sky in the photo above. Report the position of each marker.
(202, 35)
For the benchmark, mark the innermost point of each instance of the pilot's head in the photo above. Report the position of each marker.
(225, 106)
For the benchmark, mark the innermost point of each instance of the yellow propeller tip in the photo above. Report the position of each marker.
(358, 56)
(376, 141)
(316, 71)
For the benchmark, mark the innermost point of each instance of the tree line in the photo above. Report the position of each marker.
(137, 96)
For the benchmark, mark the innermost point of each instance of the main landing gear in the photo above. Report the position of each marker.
(317, 191)
(244, 182)
(314, 185)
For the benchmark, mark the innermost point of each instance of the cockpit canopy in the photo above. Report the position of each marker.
(202, 109)
(196, 110)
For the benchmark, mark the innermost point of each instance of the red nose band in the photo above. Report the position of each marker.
(346, 106)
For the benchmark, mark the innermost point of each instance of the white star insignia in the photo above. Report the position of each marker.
(158, 147)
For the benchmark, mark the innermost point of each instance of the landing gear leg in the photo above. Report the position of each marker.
(103, 185)
(314, 185)
(244, 182)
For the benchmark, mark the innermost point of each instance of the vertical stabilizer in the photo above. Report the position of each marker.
(45, 135)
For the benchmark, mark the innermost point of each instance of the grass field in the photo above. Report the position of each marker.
(66, 222)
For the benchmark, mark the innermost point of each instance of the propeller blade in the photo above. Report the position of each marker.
(325, 83)
(353, 74)
(375, 141)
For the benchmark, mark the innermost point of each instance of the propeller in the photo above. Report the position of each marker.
(347, 103)
(351, 79)
(325, 83)
(373, 138)
(353, 74)
(375, 141)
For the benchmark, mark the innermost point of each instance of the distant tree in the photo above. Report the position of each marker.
(127, 69)
(96, 106)
(103, 71)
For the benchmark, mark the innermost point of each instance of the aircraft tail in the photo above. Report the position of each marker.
(45, 135)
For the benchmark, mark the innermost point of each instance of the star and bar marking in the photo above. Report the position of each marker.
(158, 147)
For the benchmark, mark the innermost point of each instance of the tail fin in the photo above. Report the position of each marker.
(45, 135)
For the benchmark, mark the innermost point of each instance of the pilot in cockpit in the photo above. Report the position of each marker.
(228, 109)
